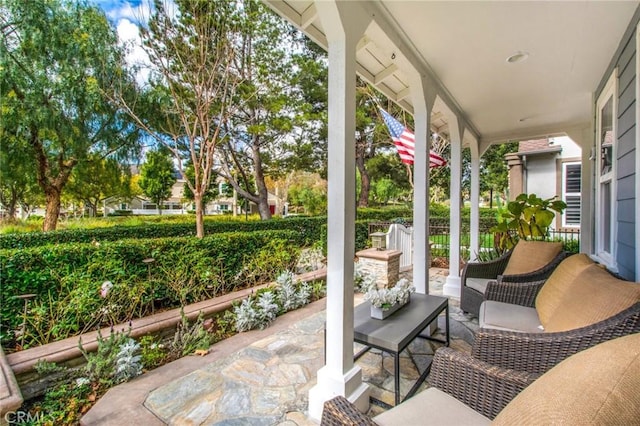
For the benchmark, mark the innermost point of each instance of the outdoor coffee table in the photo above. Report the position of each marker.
(397, 331)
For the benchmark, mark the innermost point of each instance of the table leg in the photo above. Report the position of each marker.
(396, 366)
(447, 324)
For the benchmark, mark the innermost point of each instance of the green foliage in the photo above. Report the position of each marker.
(67, 278)
(528, 217)
(104, 366)
(259, 310)
(45, 368)
(307, 229)
(188, 337)
(64, 404)
(156, 176)
(153, 352)
(59, 62)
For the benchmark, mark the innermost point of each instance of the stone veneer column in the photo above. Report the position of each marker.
(383, 264)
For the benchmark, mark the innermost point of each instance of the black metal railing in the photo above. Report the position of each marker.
(440, 230)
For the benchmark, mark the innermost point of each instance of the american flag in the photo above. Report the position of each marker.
(405, 142)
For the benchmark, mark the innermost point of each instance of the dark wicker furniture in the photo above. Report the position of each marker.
(485, 388)
(538, 352)
(471, 299)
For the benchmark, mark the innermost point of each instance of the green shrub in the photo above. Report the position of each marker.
(67, 279)
(308, 229)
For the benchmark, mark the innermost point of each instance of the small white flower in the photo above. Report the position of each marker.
(82, 381)
(104, 289)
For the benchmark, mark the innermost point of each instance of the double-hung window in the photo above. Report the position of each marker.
(605, 223)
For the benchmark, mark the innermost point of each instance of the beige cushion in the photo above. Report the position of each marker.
(598, 386)
(560, 282)
(478, 284)
(507, 316)
(529, 256)
(597, 296)
(434, 407)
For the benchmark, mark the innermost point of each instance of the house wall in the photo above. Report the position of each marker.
(541, 175)
(624, 60)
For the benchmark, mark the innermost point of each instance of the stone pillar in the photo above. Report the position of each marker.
(383, 264)
(516, 186)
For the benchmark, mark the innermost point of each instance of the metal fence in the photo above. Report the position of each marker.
(439, 235)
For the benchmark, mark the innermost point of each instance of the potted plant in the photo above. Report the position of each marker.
(528, 217)
(385, 301)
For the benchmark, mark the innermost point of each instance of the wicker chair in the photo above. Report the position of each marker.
(479, 385)
(466, 390)
(538, 352)
(471, 298)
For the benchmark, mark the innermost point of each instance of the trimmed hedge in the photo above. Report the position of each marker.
(308, 227)
(66, 279)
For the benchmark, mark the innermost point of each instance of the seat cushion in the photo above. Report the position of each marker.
(478, 284)
(529, 256)
(598, 296)
(507, 316)
(434, 407)
(598, 386)
(560, 282)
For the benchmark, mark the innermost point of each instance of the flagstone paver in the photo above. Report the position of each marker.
(267, 382)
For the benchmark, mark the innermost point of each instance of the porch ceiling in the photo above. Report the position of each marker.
(464, 47)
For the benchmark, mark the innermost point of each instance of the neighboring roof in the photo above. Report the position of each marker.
(537, 147)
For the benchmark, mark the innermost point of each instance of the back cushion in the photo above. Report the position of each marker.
(529, 256)
(598, 386)
(560, 282)
(597, 296)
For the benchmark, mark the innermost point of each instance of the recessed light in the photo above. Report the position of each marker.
(518, 57)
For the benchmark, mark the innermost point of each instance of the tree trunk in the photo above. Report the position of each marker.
(365, 183)
(263, 192)
(197, 198)
(52, 196)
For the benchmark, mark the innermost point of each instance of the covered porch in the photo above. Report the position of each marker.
(481, 73)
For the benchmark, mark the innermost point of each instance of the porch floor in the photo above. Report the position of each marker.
(263, 377)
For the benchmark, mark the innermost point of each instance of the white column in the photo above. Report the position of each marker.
(423, 96)
(344, 25)
(474, 245)
(452, 285)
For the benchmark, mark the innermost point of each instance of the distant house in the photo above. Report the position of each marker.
(549, 167)
(176, 204)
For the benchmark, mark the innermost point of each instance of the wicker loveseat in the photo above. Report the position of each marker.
(596, 386)
(528, 261)
(533, 326)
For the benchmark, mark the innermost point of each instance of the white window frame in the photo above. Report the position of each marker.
(607, 257)
(570, 194)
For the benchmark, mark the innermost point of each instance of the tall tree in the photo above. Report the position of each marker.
(57, 60)
(18, 185)
(494, 173)
(94, 181)
(157, 177)
(271, 108)
(190, 47)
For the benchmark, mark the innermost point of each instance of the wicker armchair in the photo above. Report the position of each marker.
(538, 352)
(469, 391)
(481, 386)
(471, 298)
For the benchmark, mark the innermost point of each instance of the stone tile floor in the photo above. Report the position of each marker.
(268, 381)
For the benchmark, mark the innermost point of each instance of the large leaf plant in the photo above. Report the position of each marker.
(528, 217)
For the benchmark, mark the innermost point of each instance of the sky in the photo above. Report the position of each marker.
(125, 16)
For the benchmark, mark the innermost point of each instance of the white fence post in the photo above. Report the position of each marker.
(400, 238)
